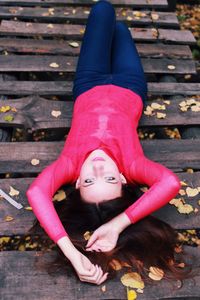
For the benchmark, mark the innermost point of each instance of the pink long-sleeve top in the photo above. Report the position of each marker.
(104, 117)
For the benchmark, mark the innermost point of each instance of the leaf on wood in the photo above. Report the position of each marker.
(8, 118)
(55, 113)
(171, 67)
(183, 183)
(59, 196)
(35, 161)
(131, 294)
(140, 291)
(182, 192)
(74, 44)
(156, 273)
(28, 208)
(189, 170)
(156, 105)
(176, 202)
(167, 102)
(132, 280)
(129, 18)
(160, 115)
(139, 14)
(154, 32)
(51, 11)
(8, 218)
(54, 65)
(5, 108)
(144, 189)
(103, 288)
(50, 26)
(13, 192)
(115, 264)
(185, 209)
(192, 192)
(87, 235)
(86, 12)
(154, 16)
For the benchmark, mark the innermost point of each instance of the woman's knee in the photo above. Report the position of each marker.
(103, 5)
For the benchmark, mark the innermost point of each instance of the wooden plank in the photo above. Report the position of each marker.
(23, 271)
(35, 112)
(64, 88)
(76, 31)
(33, 63)
(23, 219)
(80, 15)
(161, 4)
(177, 154)
(21, 45)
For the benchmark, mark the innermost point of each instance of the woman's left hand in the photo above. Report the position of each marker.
(103, 238)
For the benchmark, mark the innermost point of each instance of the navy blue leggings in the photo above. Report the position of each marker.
(108, 54)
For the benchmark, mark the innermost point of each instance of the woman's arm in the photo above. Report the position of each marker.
(40, 194)
(164, 186)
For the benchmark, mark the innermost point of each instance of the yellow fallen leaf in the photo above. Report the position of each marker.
(5, 108)
(185, 208)
(167, 102)
(192, 192)
(55, 113)
(140, 291)
(28, 208)
(8, 218)
(171, 67)
(35, 161)
(4, 239)
(181, 265)
(54, 65)
(59, 196)
(74, 44)
(129, 18)
(103, 288)
(132, 280)
(195, 108)
(131, 294)
(183, 183)
(13, 192)
(176, 201)
(182, 192)
(50, 26)
(87, 235)
(156, 273)
(154, 16)
(160, 115)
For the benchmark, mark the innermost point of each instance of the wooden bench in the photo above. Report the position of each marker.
(36, 33)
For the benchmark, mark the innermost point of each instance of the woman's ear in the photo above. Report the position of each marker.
(78, 183)
(123, 179)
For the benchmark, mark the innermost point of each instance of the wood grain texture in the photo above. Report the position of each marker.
(63, 284)
(64, 88)
(173, 153)
(35, 112)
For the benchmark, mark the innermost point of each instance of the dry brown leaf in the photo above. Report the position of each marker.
(156, 273)
(8, 218)
(74, 44)
(132, 280)
(160, 115)
(115, 264)
(56, 113)
(87, 235)
(54, 65)
(50, 26)
(154, 16)
(192, 192)
(28, 208)
(185, 209)
(182, 192)
(183, 183)
(13, 192)
(103, 288)
(35, 161)
(171, 67)
(60, 195)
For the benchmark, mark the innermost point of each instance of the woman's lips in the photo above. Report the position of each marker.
(98, 158)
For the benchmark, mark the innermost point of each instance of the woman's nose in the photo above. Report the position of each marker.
(98, 169)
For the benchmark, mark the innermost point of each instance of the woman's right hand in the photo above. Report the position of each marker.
(87, 271)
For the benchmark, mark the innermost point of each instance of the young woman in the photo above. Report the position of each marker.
(102, 153)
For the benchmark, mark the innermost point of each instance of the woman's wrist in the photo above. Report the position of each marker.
(67, 247)
(120, 222)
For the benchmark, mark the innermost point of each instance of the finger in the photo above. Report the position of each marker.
(100, 276)
(92, 239)
(103, 278)
(91, 278)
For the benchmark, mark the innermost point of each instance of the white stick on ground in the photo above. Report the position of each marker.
(10, 200)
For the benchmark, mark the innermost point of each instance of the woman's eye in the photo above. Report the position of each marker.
(110, 178)
(88, 181)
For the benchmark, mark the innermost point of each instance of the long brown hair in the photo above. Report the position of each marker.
(149, 242)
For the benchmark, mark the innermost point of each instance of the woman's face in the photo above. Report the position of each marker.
(100, 179)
